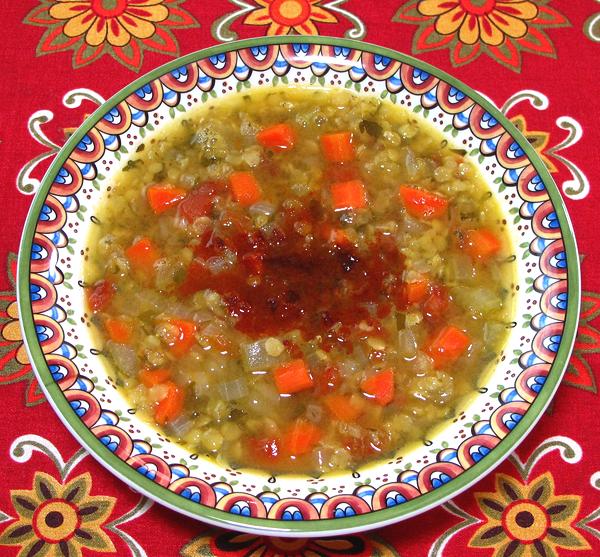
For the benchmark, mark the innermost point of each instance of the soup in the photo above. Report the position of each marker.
(299, 280)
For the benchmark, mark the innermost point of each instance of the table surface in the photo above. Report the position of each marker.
(62, 57)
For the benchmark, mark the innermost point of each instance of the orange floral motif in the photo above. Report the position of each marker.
(528, 520)
(489, 20)
(122, 28)
(499, 28)
(284, 16)
(14, 362)
(59, 519)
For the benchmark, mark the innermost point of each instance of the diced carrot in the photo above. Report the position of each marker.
(152, 377)
(100, 295)
(337, 147)
(380, 387)
(417, 291)
(278, 137)
(341, 172)
(300, 438)
(293, 377)
(162, 197)
(245, 188)
(422, 204)
(448, 345)
(348, 195)
(341, 408)
(171, 406)
(481, 244)
(185, 339)
(119, 330)
(142, 255)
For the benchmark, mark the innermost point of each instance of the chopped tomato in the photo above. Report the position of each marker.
(100, 295)
(265, 450)
(423, 204)
(436, 305)
(253, 261)
(367, 444)
(198, 202)
(328, 381)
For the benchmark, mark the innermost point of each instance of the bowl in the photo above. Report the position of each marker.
(509, 401)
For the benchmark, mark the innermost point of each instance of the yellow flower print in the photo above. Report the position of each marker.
(486, 20)
(283, 16)
(114, 21)
(121, 28)
(527, 520)
(59, 519)
(501, 29)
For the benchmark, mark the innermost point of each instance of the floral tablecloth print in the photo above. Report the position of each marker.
(536, 59)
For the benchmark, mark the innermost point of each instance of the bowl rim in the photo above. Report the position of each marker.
(318, 527)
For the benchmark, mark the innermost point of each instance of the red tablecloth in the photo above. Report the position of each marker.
(538, 59)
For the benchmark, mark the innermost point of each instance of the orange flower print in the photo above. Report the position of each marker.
(115, 22)
(488, 20)
(499, 28)
(57, 518)
(283, 16)
(528, 519)
(122, 28)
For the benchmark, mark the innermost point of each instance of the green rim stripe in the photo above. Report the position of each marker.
(271, 526)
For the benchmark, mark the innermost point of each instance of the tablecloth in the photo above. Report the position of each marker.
(536, 59)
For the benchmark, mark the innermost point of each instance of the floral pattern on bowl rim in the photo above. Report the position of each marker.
(79, 385)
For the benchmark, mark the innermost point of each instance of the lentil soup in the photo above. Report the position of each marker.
(299, 280)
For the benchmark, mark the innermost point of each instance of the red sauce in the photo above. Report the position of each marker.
(299, 282)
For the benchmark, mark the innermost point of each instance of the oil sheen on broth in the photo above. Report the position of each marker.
(299, 280)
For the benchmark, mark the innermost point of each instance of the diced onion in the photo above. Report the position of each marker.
(314, 413)
(233, 390)
(255, 356)
(124, 357)
(181, 426)
(460, 268)
(422, 363)
(217, 265)
(477, 300)
(407, 344)
(262, 208)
